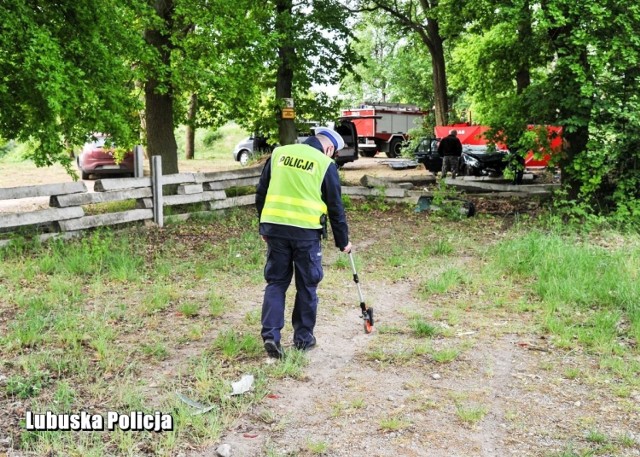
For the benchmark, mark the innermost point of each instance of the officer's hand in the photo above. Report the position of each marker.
(347, 248)
(264, 238)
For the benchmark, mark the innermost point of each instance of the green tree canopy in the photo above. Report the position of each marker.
(582, 61)
(67, 71)
(73, 68)
(394, 68)
(309, 48)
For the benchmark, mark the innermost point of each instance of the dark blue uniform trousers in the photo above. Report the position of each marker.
(284, 257)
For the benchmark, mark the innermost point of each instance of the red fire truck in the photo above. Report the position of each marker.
(383, 127)
(473, 135)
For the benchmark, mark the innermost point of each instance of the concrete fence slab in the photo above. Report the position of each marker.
(101, 220)
(188, 189)
(40, 216)
(389, 182)
(249, 172)
(231, 202)
(179, 178)
(365, 191)
(221, 185)
(62, 201)
(171, 200)
(104, 185)
(471, 187)
(42, 190)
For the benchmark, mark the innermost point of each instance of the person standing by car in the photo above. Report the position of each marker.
(298, 188)
(450, 148)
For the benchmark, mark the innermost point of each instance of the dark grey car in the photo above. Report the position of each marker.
(476, 160)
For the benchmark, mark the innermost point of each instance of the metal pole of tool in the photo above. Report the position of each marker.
(355, 277)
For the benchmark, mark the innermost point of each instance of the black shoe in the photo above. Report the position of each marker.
(274, 349)
(302, 346)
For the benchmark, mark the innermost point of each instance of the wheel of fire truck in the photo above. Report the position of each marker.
(368, 152)
(395, 148)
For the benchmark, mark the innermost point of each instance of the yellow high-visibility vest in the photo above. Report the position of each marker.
(294, 196)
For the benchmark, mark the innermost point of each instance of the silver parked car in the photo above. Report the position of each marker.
(256, 145)
(251, 147)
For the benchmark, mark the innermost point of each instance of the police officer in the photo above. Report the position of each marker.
(299, 187)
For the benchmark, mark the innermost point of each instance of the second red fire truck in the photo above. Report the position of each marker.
(383, 127)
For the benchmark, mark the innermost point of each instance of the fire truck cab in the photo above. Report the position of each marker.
(383, 127)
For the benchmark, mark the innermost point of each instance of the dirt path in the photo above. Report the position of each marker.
(504, 395)
(346, 396)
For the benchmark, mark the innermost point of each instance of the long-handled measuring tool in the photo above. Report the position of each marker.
(367, 313)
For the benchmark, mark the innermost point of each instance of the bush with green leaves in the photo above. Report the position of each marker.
(211, 137)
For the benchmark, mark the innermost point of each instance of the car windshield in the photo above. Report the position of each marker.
(481, 149)
(422, 147)
(98, 142)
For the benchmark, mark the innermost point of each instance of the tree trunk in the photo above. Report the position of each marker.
(143, 119)
(284, 78)
(523, 74)
(574, 143)
(572, 63)
(575, 140)
(436, 48)
(429, 33)
(161, 139)
(191, 129)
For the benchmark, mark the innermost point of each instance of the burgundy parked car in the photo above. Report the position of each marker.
(96, 159)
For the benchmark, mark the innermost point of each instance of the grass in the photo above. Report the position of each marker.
(292, 366)
(445, 355)
(155, 350)
(189, 309)
(126, 318)
(94, 309)
(422, 328)
(590, 294)
(393, 423)
(233, 345)
(444, 282)
(317, 447)
(471, 414)
(217, 304)
(594, 436)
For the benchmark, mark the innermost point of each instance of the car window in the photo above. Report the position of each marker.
(482, 149)
(422, 147)
(97, 143)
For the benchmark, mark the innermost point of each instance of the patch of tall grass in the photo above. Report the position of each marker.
(212, 143)
(102, 252)
(444, 282)
(591, 293)
(13, 151)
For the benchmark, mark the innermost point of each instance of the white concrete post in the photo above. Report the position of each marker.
(156, 187)
(138, 161)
